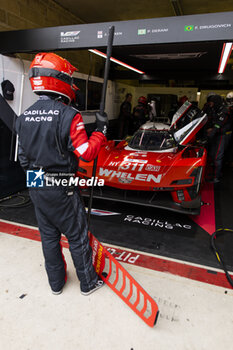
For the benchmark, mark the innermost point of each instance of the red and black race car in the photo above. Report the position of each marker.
(161, 166)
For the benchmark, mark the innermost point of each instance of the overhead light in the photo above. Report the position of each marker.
(170, 56)
(226, 52)
(97, 52)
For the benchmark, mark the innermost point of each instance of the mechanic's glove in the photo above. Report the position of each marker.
(101, 123)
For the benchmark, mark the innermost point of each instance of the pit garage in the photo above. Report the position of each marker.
(180, 253)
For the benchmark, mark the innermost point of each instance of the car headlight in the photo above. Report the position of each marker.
(182, 182)
(196, 173)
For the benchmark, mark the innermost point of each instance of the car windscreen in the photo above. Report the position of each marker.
(152, 140)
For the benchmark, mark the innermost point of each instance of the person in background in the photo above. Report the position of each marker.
(79, 101)
(208, 107)
(219, 134)
(229, 105)
(125, 116)
(140, 112)
(173, 110)
(182, 100)
(152, 110)
(209, 111)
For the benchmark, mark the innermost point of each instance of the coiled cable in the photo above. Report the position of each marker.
(218, 255)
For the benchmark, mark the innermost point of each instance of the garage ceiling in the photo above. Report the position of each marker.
(197, 62)
(90, 11)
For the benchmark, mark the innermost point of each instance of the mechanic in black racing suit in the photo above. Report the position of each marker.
(125, 117)
(229, 105)
(219, 134)
(209, 111)
(51, 138)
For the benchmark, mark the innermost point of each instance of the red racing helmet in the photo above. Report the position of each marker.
(229, 98)
(182, 100)
(142, 99)
(50, 73)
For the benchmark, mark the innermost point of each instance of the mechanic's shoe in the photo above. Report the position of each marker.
(57, 293)
(96, 286)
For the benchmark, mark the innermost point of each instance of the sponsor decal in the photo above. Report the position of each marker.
(41, 87)
(114, 164)
(150, 167)
(130, 176)
(125, 181)
(37, 82)
(94, 251)
(69, 36)
(38, 119)
(40, 115)
(155, 222)
(188, 28)
(40, 112)
(191, 113)
(99, 258)
(138, 154)
(135, 165)
(131, 160)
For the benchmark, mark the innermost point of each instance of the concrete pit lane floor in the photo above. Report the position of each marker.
(193, 315)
